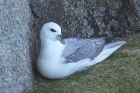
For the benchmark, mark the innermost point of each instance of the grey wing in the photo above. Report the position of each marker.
(77, 49)
(72, 44)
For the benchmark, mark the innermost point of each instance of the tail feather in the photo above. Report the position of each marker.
(107, 51)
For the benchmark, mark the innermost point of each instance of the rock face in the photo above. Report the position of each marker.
(89, 18)
(21, 21)
(15, 58)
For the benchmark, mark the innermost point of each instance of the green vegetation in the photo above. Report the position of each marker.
(120, 73)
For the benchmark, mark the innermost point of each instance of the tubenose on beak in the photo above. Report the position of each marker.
(61, 39)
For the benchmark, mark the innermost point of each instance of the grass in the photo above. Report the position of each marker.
(120, 73)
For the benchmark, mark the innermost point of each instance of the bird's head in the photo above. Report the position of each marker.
(52, 31)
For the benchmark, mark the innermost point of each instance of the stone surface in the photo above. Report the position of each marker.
(89, 18)
(15, 46)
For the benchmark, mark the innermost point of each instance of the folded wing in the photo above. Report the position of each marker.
(78, 49)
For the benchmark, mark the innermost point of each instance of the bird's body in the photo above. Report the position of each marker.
(59, 60)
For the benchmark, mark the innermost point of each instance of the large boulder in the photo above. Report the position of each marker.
(15, 47)
(89, 18)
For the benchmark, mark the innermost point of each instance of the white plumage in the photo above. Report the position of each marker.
(59, 60)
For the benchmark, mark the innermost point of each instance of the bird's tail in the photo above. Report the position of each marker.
(107, 51)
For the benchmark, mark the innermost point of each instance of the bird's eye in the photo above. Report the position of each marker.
(53, 30)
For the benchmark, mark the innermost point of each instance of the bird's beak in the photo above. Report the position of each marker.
(60, 38)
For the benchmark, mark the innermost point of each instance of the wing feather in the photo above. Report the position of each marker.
(78, 49)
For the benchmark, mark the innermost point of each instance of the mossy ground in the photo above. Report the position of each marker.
(120, 73)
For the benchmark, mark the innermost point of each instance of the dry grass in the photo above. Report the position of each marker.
(120, 73)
